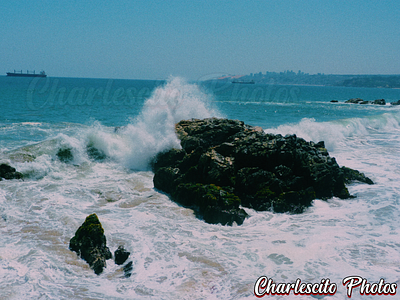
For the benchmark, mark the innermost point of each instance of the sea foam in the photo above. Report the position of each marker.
(153, 130)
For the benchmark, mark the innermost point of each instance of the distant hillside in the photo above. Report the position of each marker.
(290, 77)
(373, 81)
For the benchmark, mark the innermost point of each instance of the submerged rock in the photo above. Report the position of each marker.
(225, 164)
(89, 243)
(128, 269)
(8, 172)
(65, 155)
(95, 154)
(395, 103)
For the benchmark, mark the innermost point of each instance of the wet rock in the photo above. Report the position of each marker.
(395, 103)
(65, 155)
(225, 164)
(95, 154)
(361, 101)
(354, 100)
(8, 172)
(379, 102)
(121, 255)
(351, 175)
(334, 101)
(89, 243)
(128, 269)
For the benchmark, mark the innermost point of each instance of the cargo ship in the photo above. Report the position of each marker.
(27, 74)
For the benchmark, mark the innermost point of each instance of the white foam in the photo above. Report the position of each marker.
(338, 132)
(154, 129)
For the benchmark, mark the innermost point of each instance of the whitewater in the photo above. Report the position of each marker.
(174, 254)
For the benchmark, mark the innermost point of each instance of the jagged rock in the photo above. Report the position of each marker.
(395, 103)
(379, 102)
(121, 255)
(225, 164)
(351, 175)
(354, 100)
(128, 269)
(65, 155)
(8, 172)
(361, 101)
(89, 243)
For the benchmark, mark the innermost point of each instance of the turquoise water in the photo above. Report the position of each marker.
(175, 255)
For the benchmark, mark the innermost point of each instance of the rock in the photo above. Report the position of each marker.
(334, 101)
(121, 255)
(225, 164)
(351, 175)
(379, 102)
(395, 103)
(354, 100)
(8, 172)
(89, 243)
(128, 269)
(95, 154)
(361, 101)
(65, 155)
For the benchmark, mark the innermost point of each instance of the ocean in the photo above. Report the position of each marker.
(174, 254)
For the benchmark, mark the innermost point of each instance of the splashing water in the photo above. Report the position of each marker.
(153, 130)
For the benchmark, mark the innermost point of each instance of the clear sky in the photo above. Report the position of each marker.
(195, 39)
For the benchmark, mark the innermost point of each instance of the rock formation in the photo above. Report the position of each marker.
(225, 164)
(8, 172)
(121, 255)
(89, 243)
(361, 101)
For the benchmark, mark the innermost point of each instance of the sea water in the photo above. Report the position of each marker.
(174, 254)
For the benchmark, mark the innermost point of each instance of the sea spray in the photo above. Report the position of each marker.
(153, 130)
(337, 132)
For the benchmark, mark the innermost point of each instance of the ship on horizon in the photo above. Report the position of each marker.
(27, 74)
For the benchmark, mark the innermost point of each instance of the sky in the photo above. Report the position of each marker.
(199, 39)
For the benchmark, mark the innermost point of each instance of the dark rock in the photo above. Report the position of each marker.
(95, 154)
(395, 103)
(8, 172)
(225, 164)
(89, 243)
(361, 101)
(351, 175)
(128, 269)
(334, 101)
(354, 100)
(65, 155)
(379, 102)
(121, 255)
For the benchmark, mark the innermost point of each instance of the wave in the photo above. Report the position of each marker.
(152, 131)
(334, 133)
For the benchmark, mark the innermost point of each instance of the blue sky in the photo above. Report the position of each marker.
(195, 39)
